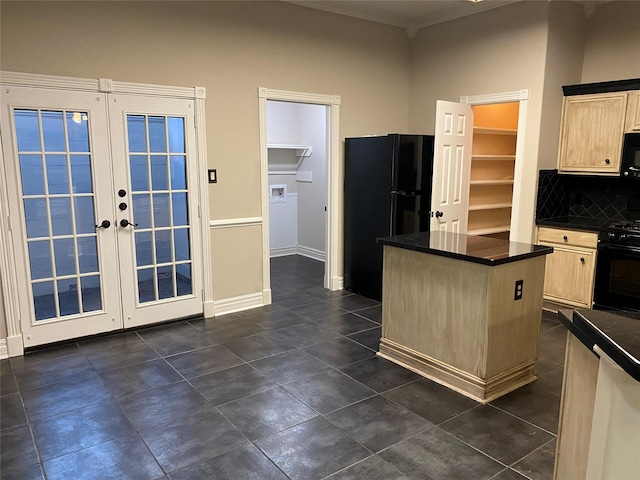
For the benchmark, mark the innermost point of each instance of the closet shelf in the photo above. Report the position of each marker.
(490, 206)
(493, 157)
(488, 231)
(302, 151)
(495, 131)
(491, 182)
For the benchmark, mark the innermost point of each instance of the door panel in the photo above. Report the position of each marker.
(452, 166)
(59, 176)
(157, 212)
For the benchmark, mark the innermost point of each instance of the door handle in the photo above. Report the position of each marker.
(105, 224)
(126, 223)
(439, 214)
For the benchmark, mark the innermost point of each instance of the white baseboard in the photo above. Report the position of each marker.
(237, 304)
(4, 353)
(297, 250)
(283, 251)
(311, 253)
(15, 348)
(266, 297)
(208, 309)
(337, 283)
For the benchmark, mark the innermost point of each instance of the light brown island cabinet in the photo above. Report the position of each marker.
(570, 269)
(633, 112)
(450, 313)
(591, 133)
(599, 425)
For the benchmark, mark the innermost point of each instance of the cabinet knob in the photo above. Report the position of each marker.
(581, 259)
(607, 161)
(565, 238)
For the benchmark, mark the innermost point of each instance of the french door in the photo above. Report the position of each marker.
(103, 207)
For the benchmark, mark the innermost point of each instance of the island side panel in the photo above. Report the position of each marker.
(436, 306)
(576, 411)
(514, 325)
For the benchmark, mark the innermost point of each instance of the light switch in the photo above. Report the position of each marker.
(213, 176)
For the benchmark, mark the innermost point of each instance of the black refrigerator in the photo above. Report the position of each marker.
(387, 191)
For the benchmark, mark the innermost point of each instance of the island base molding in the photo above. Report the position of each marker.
(469, 385)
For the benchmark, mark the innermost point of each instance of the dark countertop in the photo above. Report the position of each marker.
(617, 334)
(577, 223)
(476, 249)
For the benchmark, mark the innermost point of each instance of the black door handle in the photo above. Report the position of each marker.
(439, 214)
(125, 223)
(104, 224)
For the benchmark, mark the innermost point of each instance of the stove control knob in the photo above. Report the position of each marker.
(612, 236)
(623, 237)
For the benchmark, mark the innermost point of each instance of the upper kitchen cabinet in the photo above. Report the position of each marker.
(633, 112)
(591, 133)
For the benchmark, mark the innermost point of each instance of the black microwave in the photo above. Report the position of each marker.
(630, 166)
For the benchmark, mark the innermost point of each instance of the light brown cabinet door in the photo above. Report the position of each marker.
(591, 133)
(633, 112)
(569, 275)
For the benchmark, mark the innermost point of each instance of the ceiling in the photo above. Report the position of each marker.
(410, 15)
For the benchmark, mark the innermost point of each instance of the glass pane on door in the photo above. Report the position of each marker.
(158, 180)
(59, 210)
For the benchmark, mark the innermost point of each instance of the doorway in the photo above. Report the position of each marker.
(288, 154)
(103, 207)
(497, 163)
(297, 166)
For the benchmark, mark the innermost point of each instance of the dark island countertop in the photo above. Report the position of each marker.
(617, 334)
(470, 248)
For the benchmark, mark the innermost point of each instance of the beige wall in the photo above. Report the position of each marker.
(231, 48)
(612, 46)
(387, 82)
(563, 66)
(501, 50)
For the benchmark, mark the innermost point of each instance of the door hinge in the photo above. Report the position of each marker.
(8, 223)
(202, 294)
(199, 212)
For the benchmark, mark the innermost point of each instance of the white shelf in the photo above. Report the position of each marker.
(494, 157)
(491, 182)
(495, 131)
(488, 231)
(490, 206)
(301, 150)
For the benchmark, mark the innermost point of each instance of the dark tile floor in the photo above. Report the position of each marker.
(292, 390)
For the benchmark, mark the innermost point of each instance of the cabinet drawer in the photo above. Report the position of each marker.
(567, 237)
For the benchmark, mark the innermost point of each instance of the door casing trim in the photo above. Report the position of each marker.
(8, 272)
(333, 255)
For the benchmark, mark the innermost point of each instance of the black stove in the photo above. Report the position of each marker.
(617, 282)
(622, 233)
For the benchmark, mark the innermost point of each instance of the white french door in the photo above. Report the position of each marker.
(101, 202)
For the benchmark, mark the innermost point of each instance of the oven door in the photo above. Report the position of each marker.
(617, 283)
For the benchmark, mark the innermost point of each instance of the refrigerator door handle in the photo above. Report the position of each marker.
(406, 194)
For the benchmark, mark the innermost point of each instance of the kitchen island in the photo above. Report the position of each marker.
(599, 428)
(463, 310)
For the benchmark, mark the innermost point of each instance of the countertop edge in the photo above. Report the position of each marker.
(571, 226)
(590, 335)
(544, 250)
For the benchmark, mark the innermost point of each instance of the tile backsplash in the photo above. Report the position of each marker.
(583, 196)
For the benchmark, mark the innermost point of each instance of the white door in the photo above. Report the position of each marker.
(157, 208)
(451, 167)
(77, 265)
